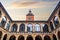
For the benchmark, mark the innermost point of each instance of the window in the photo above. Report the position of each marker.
(29, 27)
(37, 27)
(14, 28)
(3, 22)
(56, 22)
(22, 28)
(8, 25)
(45, 28)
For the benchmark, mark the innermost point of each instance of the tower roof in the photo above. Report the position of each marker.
(30, 13)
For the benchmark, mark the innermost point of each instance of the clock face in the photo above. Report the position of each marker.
(29, 18)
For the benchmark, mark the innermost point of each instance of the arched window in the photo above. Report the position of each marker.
(21, 37)
(3, 22)
(47, 37)
(29, 37)
(14, 28)
(54, 37)
(37, 28)
(12, 37)
(58, 35)
(51, 26)
(22, 28)
(8, 25)
(5, 37)
(38, 38)
(29, 27)
(45, 28)
(0, 35)
(56, 22)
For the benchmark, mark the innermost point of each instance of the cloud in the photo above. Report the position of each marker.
(23, 3)
(17, 5)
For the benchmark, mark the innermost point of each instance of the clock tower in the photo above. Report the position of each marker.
(30, 16)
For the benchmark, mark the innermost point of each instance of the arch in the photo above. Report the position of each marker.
(21, 37)
(51, 26)
(47, 37)
(3, 22)
(22, 28)
(0, 35)
(58, 35)
(12, 37)
(56, 21)
(29, 37)
(29, 28)
(5, 37)
(14, 28)
(37, 28)
(45, 28)
(54, 37)
(38, 37)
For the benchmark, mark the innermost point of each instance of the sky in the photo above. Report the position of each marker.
(17, 9)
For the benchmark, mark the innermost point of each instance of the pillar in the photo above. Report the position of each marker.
(49, 27)
(10, 27)
(18, 28)
(33, 28)
(26, 27)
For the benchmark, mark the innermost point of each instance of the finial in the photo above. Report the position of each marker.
(30, 11)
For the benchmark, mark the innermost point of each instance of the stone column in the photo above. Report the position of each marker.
(2, 37)
(41, 28)
(5, 25)
(16, 37)
(58, 19)
(18, 28)
(53, 24)
(33, 38)
(25, 27)
(33, 28)
(10, 27)
(57, 37)
(49, 27)
(25, 38)
(8, 36)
